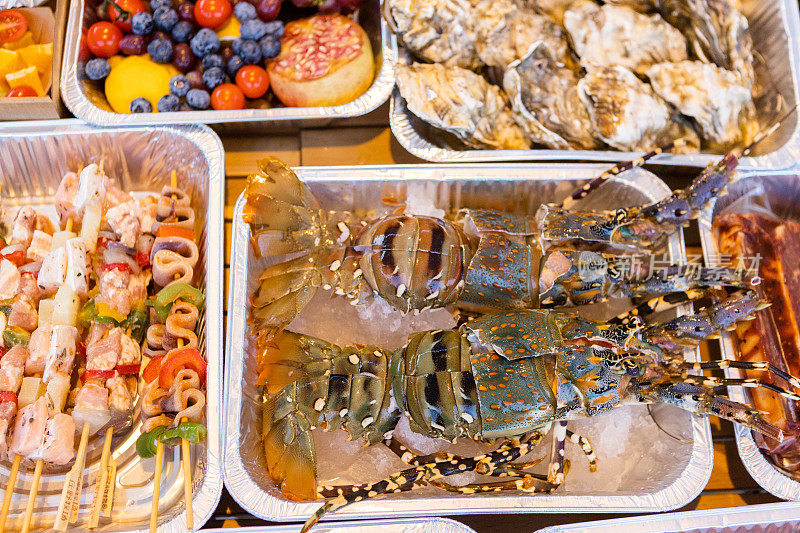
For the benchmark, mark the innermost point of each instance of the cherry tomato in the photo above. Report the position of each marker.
(103, 39)
(253, 81)
(212, 13)
(13, 25)
(22, 90)
(122, 19)
(227, 96)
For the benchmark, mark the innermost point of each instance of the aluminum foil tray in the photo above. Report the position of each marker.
(767, 518)
(89, 103)
(784, 192)
(33, 158)
(514, 188)
(775, 27)
(401, 525)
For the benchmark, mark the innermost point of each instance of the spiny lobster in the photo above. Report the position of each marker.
(482, 260)
(506, 375)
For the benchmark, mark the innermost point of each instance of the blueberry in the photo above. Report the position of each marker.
(253, 29)
(213, 78)
(245, 11)
(165, 18)
(213, 60)
(204, 42)
(141, 105)
(97, 69)
(179, 85)
(275, 28)
(234, 64)
(167, 103)
(142, 23)
(160, 50)
(270, 47)
(198, 99)
(236, 46)
(155, 4)
(250, 53)
(182, 31)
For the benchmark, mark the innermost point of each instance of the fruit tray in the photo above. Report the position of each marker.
(35, 156)
(775, 26)
(677, 470)
(779, 189)
(90, 104)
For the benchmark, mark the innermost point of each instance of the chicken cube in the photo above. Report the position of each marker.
(9, 279)
(114, 290)
(53, 271)
(77, 273)
(23, 314)
(124, 219)
(12, 367)
(29, 427)
(103, 354)
(65, 197)
(40, 246)
(119, 397)
(38, 348)
(58, 445)
(23, 226)
(61, 354)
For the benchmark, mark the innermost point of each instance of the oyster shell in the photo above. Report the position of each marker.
(552, 9)
(544, 97)
(714, 97)
(627, 114)
(439, 31)
(505, 33)
(618, 35)
(461, 102)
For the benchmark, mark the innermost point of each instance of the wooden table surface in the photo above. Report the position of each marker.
(368, 141)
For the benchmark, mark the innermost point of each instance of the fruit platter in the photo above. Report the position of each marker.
(213, 61)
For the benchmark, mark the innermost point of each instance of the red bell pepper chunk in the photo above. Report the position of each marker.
(17, 257)
(125, 267)
(172, 231)
(152, 369)
(142, 259)
(132, 368)
(2, 352)
(90, 375)
(178, 359)
(8, 396)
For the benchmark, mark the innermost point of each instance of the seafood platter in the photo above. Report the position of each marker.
(340, 330)
(210, 61)
(109, 377)
(502, 80)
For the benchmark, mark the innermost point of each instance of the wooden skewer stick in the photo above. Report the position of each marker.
(156, 487)
(102, 481)
(12, 480)
(37, 473)
(73, 485)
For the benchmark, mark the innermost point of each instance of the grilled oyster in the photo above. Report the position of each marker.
(627, 114)
(439, 31)
(717, 32)
(714, 97)
(505, 33)
(544, 97)
(461, 102)
(618, 35)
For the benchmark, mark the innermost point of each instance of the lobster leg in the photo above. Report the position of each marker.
(555, 474)
(714, 382)
(744, 365)
(586, 447)
(485, 464)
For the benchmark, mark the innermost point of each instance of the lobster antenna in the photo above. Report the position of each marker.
(769, 131)
(659, 426)
(616, 170)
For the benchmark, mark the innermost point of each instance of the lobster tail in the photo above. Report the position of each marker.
(285, 220)
(289, 445)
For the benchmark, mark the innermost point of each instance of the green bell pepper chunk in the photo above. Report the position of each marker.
(14, 335)
(191, 431)
(138, 320)
(5, 305)
(87, 314)
(147, 443)
(167, 296)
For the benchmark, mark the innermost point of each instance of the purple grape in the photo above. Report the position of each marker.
(329, 6)
(195, 78)
(348, 6)
(182, 57)
(268, 10)
(303, 3)
(133, 45)
(186, 12)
